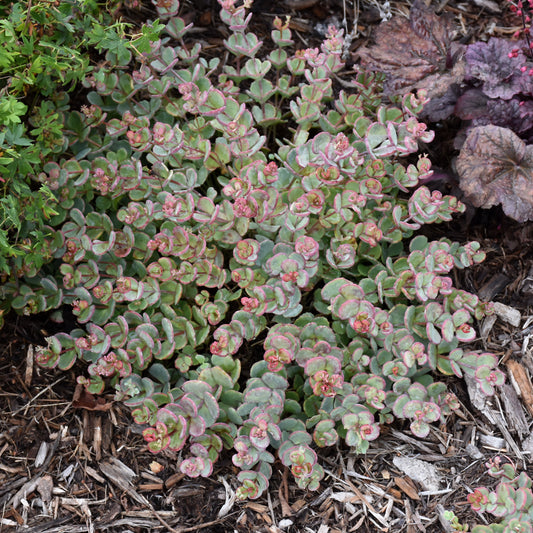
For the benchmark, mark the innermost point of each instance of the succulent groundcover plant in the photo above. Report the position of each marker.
(236, 240)
(511, 501)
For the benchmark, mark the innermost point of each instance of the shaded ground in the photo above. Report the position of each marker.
(68, 464)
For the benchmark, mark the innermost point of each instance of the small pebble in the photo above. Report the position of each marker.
(285, 523)
(473, 451)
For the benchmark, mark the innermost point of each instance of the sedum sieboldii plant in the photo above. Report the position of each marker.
(510, 502)
(221, 219)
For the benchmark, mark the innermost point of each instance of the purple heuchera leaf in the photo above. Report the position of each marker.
(490, 63)
(416, 54)
(495, 166)
(471, 105)
(441, 107)
(514, 114)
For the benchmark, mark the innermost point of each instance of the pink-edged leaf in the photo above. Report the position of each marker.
(433, 335)
(420, 428)
(523, 498)
(411, 408)
(448, 330)
(197, 426)
(431, 412)
(465, 333)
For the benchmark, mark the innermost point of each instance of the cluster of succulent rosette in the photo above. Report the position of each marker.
(218, 215)
(511, 501)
